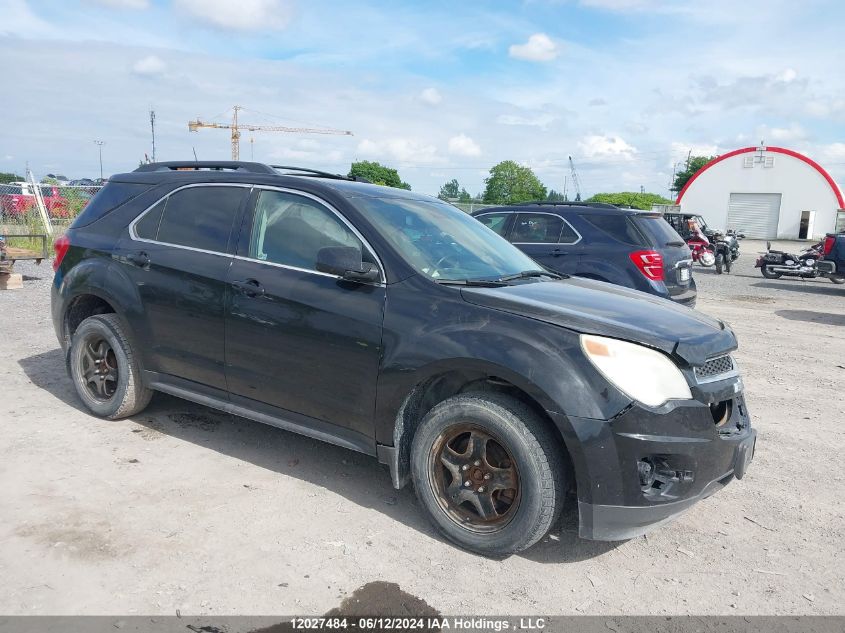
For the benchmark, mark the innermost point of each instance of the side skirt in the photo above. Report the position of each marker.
(259, 412)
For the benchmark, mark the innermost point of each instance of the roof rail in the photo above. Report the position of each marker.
(213, 165)
(571, 203)
(305, 171)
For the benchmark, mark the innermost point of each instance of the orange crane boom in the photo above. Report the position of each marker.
(236, 127)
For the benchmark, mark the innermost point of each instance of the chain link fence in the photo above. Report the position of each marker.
(33, 214)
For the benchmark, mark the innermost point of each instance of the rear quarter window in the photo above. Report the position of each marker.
(659, 230)
(106, 200)
(617, 226)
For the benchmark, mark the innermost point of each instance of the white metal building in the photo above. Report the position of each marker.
(766, 192)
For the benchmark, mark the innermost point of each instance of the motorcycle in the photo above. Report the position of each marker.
(723, 255)
(775, 264)
(732, 237)
(701, 250)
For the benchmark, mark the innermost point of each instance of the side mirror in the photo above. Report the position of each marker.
(345, 262)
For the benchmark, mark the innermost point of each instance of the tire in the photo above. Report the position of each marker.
(720, 263)
(728, 263)
(838, 279)
(768, 274)
(519, 448)
(100, 341)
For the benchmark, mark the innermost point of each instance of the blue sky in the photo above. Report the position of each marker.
(439, 90)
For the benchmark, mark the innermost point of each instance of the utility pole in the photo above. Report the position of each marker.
(642, 189)
(153, 129)
(100, 147)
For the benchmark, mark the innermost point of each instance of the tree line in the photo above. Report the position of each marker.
(509, 182)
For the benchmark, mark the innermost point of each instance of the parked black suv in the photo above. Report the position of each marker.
(393, 324)
(628, 247)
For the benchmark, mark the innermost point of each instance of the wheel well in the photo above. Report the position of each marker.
(81, 308)
(437, 389)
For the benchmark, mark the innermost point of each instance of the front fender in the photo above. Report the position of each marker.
(431, 332)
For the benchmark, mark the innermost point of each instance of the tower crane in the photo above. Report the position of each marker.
(575, 182)
(236, 127)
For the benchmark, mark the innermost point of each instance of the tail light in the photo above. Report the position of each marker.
(829, 241)
(649, 263)
(61, 246)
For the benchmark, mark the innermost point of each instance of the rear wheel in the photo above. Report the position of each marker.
(104, 369)
(720, 263)
(837, 279)
(489, 472)
(768, 273)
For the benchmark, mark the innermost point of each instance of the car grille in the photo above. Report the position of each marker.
(715, 367)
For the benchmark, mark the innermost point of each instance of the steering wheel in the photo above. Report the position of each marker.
(446, 262)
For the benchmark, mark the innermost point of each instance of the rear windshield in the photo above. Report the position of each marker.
(617, 226)
(659, 231)
(113, 195)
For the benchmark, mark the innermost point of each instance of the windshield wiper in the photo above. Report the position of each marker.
(525, 274)
(482, 283)
(676, 243)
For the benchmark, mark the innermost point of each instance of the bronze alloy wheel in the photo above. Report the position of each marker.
(475, 478)
(98, 368)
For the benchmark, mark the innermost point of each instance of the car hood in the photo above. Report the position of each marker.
(595, 307)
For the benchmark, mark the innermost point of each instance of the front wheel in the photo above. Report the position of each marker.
(837, 279)
(489, 472)
(105, 370)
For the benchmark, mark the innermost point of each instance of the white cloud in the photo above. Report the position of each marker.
(787, 75)
(792, 133)
(462, 145)
(123, 4)
(21, 21)
(539, 48)
(149, 66)
(404, 150)
(680, 150)
(243, 15)
(431, 96)
(595, 146)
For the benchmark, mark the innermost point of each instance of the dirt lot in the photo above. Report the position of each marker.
(184, 508)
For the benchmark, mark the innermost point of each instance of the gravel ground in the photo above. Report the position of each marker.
(184, 508)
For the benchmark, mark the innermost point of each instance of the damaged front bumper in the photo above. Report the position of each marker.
(644, 467)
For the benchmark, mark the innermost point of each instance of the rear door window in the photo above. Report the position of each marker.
(618, 227)
(201, 217)
(498, 222)
(537, 228)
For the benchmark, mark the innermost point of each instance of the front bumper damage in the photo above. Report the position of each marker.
(644, 467)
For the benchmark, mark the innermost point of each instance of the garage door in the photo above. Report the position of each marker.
(755, 214)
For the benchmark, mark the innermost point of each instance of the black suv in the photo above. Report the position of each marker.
(394, 324)
(628, 247)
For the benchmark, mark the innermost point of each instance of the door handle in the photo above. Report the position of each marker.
(139, 258)
(557, 252)
(249, 287)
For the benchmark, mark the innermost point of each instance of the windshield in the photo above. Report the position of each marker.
(441, 241)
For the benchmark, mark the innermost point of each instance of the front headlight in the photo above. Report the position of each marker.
(642, 373)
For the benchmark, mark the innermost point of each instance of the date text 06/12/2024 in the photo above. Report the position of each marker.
(418, 623)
